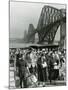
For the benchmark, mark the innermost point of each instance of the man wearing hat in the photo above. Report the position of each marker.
(22, 71)
(50, 66)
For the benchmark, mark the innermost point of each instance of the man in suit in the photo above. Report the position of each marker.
(22, 72)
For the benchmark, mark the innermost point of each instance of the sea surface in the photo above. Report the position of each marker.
(13, 43)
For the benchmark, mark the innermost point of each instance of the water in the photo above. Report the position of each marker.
(20, 44)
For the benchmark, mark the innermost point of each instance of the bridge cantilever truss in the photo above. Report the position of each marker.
(48, 24)
(49, 21)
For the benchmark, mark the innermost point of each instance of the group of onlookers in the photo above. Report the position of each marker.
(44, 65)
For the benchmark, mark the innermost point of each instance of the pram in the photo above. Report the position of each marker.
(32, 81)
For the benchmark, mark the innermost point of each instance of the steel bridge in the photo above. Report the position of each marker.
(49, 21)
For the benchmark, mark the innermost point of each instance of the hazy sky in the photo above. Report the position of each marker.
(22, 14)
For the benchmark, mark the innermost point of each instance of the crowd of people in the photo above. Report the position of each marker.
(34, 66)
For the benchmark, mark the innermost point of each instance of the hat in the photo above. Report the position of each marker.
(28, 52)
(43, 50)
(50, 53)
(55, 63)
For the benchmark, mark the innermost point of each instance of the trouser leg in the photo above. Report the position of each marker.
(43, 72)
(23, 79)
(50, 73)
(21, 82)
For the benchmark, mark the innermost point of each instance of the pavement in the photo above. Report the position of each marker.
(42, 84)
